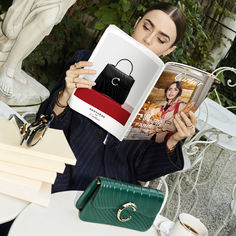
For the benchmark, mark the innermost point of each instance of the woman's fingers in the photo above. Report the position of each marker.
(83, 83)
(77, 72)
(78, 69)
(78, 83)
(73, 76)
(193, 118)
(189, 123)
(182, 131)
(82, 64)
(185, 126)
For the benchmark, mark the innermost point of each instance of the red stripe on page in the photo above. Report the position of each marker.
(103, 103)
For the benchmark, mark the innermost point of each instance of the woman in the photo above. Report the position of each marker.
(160, 118)
(97, 154)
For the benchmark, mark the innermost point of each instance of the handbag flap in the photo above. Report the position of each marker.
(110, 71)
(112, 194)
(87, 194)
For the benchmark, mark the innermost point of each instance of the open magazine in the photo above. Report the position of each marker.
(129, 98)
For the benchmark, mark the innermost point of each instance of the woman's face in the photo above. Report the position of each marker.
(172, 92)
(157, 31)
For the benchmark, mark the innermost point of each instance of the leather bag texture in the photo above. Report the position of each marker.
(114, 83)
(112, 202)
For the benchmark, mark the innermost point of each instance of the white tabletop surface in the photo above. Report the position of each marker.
(10, 207)
(60, 218)
(218, 117)
(163, 225)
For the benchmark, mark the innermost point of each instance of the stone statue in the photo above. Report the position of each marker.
(23, 27)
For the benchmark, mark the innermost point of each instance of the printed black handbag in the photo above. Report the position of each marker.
(108, 201)
(114, 83)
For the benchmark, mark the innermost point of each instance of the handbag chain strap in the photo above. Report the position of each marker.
(128, 61)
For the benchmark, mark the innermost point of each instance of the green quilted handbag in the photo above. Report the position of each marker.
(112, 202)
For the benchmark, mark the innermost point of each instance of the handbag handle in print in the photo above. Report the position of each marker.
(129, 62)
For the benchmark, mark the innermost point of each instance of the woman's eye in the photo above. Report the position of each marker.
(145, 27)
(161, 41)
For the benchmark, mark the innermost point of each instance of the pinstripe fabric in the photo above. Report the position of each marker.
(128, 161)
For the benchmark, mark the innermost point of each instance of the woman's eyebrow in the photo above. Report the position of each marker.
(150, 22)
(160, 32)
(165, 35)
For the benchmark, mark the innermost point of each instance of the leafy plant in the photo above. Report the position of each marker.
(86, 20)
(124, 13)
(226, 93)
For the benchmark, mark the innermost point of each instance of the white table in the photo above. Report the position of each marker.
(218, 117)
(215, 122)
(60, 218)
(10, 207)
(163, 225)
(218, 125)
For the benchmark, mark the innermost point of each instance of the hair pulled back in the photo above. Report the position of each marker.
(175, 14)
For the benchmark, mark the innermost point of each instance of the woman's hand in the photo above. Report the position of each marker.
(185, 127)
(74, 80)
(74, 77)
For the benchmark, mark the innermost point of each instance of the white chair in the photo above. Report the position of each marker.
(216, 130)
(161, 182)
(216, 123)
(231, 212)
(215, 113)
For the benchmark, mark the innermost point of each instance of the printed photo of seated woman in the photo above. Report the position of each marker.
(159, 118)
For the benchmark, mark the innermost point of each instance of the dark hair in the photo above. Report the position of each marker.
(178, 86)
(175, 14)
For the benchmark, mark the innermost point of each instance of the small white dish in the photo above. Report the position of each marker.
(164, 228)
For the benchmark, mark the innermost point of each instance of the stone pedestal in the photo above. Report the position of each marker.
(24, 26)
(26, 96)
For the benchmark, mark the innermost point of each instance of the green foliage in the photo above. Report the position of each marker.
(225, 101)
(47, 61)
(226, 93)
(219, 10)
(121, 13)
(229, 93)
(193, 50)
(85, 22)
(4, 5)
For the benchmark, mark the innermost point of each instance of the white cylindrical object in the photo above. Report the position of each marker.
(188, 225)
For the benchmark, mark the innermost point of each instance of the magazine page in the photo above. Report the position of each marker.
(179, 88)
(126, 73)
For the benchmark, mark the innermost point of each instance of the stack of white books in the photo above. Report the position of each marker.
(26, 172)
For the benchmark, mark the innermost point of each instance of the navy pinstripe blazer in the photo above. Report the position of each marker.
(128, 161)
